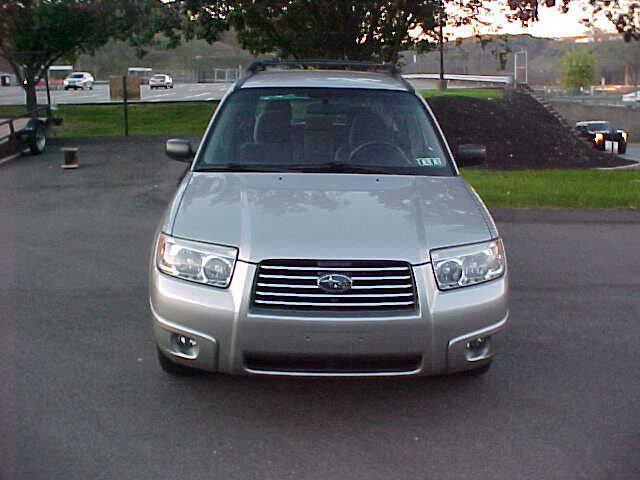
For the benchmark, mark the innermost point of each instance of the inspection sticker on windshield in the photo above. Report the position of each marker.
(429, 161)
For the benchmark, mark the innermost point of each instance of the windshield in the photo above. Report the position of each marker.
(158, 77)
(76, 75)
(596, 126)
(317, 129)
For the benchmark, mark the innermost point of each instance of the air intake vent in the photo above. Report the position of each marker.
(334, 285)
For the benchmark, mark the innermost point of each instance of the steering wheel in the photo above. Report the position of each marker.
(381, 145)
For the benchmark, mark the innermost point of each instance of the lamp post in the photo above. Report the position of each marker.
(442, 84)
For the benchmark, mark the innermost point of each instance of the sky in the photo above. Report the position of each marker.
(552, 23)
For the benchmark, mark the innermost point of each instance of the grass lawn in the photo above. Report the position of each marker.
(481, 93)
(106, 120)
(11, 110)
(187, 119)
(557, 188)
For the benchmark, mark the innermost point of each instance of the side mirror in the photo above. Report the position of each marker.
(471, 154)
(179, 149)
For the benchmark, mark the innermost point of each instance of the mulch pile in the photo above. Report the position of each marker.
(518, 131)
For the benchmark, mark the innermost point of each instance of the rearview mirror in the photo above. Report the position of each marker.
(471, 154)
(179, 149)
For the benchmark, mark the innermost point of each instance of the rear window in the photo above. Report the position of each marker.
(386, 131)
(596, 126)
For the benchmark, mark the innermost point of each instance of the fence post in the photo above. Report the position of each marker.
(125, 98)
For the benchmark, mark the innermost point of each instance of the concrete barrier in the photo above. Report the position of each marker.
(622, 116)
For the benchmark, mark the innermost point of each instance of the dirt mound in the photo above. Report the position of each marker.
(518, 132)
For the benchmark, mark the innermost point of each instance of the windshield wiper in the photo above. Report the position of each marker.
(329, 167)
(339, 167)
(238, 167)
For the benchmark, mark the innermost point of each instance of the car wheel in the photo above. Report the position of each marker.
(622, 147)
(38, 141)
(478, 371)
(66, 88)
(172, 368)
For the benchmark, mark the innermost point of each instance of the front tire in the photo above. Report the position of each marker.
(172, 368)
(622, 147)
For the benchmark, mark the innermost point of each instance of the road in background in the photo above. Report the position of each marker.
(100, 94)
(181, 92)
(82, 396)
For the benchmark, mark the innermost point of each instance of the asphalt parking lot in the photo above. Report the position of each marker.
(82, 397)
(100, 94)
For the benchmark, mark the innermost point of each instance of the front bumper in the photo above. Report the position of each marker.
(228, 331)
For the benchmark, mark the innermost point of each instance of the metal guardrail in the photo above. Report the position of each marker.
(502, 79)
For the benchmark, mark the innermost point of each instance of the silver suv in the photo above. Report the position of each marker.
(323, 229)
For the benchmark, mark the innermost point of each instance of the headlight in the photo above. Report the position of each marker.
(599, 137)
(468, 265)
(195, 261)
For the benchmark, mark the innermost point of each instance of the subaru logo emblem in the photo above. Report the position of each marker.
(334, 282)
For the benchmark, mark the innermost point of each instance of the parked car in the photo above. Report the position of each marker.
(599, 132)
(78, 80)
(160, 80)
(323, 228)
(633, 97)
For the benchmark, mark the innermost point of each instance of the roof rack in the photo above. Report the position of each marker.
(262, 65)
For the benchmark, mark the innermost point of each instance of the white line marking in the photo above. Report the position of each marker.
(198, 95)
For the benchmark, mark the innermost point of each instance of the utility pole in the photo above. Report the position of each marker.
(442, 84)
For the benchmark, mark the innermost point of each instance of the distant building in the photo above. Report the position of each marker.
(6, 75)
(7, 79)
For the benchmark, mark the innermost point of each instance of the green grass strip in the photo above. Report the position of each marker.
(557, 188)
(179, 119)
(480, 93)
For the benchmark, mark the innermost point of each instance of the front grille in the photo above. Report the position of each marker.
(293, 285)
(299, 363)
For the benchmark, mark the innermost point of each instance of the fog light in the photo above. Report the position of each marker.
(477, 348)
(184, 344)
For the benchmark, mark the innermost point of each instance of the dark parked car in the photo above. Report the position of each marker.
(600, 132)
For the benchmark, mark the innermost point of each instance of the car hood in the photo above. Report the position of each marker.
(329, 216)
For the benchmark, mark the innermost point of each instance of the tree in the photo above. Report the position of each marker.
(579, 68)
(34, 34)
(338, 29)
(358, 29)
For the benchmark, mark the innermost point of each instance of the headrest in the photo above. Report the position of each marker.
(323, 123)
(278, 105)
(325, 108)
(272, 127)
(367, 127)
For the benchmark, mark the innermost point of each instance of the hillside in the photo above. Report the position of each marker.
(616, 59)
(187, 62)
